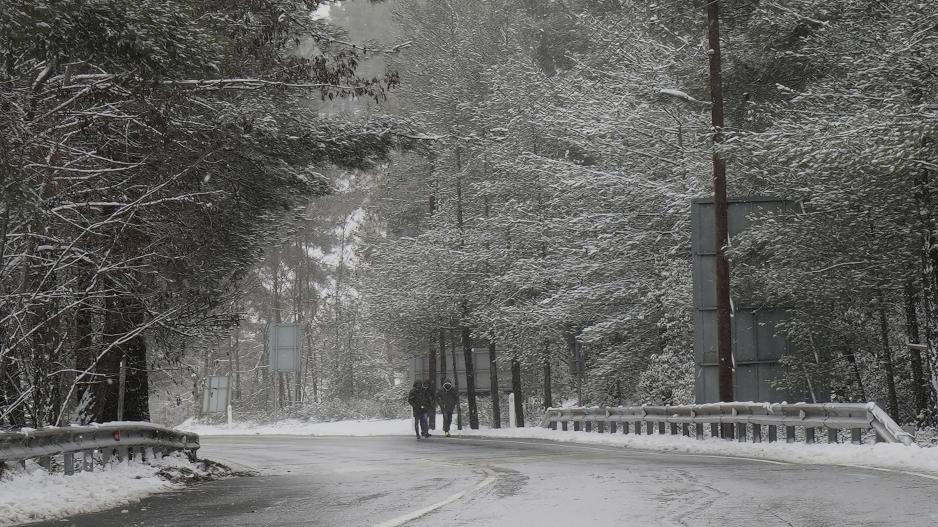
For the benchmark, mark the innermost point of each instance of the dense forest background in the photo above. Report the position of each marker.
(411, 177)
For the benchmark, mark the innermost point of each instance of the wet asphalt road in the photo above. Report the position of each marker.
(371, 481)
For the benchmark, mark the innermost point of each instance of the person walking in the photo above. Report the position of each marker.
(447, 397)
(418, 400)
(429, 405)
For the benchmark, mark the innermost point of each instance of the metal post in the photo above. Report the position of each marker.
(756, 433)
(773, 433)
(120, 390)
(722, 282)
(832, 435)
(68, 463)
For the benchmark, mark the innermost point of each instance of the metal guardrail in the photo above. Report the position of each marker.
(727, 420)
(125, 441)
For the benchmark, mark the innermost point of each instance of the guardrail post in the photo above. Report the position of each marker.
(661, 427)
(856, 436)
(68, 463)
(809, 434)
(773, 433)
(714, 429)
(698, 430)
(674, 429)
(649, 428)
(638, 428)
(756, 433)
(576, 426)
(832, 435)
(563, 425)
(612, 427)
(685, 430)
(625, 427)
(789, 434)
(589, 426)
(741, 432)
(552, 425)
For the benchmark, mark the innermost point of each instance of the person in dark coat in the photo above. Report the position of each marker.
(447, 397)
(420, 402)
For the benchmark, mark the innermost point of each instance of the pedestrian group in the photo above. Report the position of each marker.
(423, 401)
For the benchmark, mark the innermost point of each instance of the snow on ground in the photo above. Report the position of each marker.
(36, 495)
(884, 456)
(373, 427)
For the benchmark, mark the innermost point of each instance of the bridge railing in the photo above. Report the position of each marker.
(75, 447)
(741, 420)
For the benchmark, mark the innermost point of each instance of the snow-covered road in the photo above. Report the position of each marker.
(371, 481)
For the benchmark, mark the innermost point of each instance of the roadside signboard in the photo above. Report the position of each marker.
(284, 347)
(215, 391)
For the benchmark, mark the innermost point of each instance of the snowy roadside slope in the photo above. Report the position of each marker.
(899, 457)
(373, 427)
(37, 495)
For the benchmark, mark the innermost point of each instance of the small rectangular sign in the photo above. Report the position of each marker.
(215, 390)
(284, 347)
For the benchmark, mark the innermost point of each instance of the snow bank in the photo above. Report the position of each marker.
(36, 495)
(372, 427)
(882, 455)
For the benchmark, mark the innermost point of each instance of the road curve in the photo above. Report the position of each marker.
(391, 481)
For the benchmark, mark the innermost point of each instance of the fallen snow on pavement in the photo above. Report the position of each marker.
(373, 427)
(36, 495)
(882, 455)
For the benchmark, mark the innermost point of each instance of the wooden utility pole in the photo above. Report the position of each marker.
(724, 336)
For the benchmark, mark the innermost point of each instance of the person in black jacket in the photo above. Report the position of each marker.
(447, 397)
(420, 401)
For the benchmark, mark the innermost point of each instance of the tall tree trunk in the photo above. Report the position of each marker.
(929, 269)
(431, 363)
(886, 358)
(517, 390)
(470, 378)
(548, 397)
(919, 389)
(441, 337)
(577, 366)
(452, 349)
(493, 382)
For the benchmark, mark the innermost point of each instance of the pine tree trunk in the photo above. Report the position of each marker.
(452, 349)
(431, 363)
(519, 393)
(919, 389)
(548, 397)
(493, 383)
(886, 359)
(470, 379)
